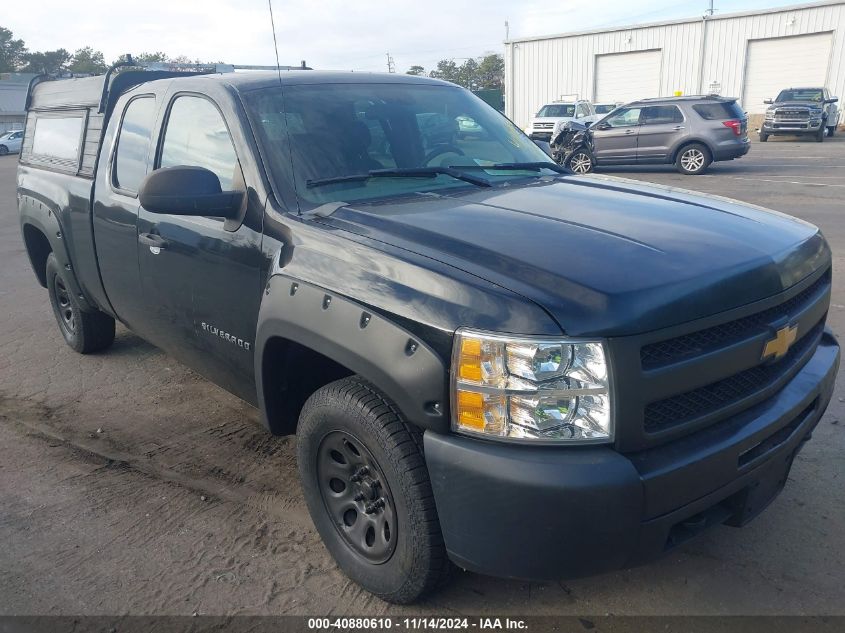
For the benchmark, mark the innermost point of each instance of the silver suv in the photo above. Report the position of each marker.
(690, 132)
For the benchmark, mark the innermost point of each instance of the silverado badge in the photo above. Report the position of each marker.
(780, 344)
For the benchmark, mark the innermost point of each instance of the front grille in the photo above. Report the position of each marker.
(682, 347)
(544, 126)
(699, 402)
(792, 115)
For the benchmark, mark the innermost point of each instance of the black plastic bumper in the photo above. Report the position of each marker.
(798, 127)
(729, 151)
(543, 512)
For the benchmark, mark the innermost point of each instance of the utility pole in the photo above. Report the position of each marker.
(391, 67)
(507, 31)
(710, 10)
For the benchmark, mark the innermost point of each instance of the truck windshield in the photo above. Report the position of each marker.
(557, 110)
(799, 94)
(413, 137)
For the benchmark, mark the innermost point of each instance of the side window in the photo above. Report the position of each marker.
(582, 110)
(196, 136)
(57, 139)
(656, 115)
(625, 118)
(133, 144)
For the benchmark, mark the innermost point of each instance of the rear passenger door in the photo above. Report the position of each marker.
(661, 127)
(201, 274)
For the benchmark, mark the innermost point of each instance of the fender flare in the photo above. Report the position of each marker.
(40, 216)
(367, 343)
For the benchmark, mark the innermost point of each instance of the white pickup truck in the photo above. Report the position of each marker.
(551, 116)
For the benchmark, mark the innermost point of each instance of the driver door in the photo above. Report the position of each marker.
(615, 138)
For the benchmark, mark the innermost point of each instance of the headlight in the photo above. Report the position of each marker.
(770, 114)
(528, 130)
(551, 390)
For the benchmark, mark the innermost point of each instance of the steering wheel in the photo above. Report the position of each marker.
(443, 148)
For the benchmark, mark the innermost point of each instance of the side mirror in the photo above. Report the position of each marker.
(832, 100)
(588, 123)
(767, 101)
(544, 145)
(603, 126)
(183, 190)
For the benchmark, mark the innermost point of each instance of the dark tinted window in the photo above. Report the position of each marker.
(557, 109)
(133, 144)
(57, 137)
(605, 108)
(720, 110)
(197, 136)
(655, 115)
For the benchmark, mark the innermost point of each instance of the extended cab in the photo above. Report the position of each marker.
(807, 111)
(485, 359)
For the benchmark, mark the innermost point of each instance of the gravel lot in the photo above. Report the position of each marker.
(128, 484)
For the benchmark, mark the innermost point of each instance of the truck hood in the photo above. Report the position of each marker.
(604, 256)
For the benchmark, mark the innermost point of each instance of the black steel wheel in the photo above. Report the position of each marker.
(357, 496)
(367, 488)
(85, 331)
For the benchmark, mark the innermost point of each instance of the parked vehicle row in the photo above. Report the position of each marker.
(689, 132)
(10, 142)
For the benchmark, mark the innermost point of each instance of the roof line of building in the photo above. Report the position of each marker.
(646, 25)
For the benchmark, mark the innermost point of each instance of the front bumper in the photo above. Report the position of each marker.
(541, 136)
(539, 513)
(791, 127)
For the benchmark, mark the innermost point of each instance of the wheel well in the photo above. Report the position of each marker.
(38, 248)
(291, 373)
(686, 144)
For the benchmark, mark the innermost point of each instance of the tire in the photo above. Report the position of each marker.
(763, 137)
(831, 130)
(344, 427)
(819, 135)
(581, 162)
(3, 150)
(693, 159)
(84, 332)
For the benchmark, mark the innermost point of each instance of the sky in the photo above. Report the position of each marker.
(329, 34)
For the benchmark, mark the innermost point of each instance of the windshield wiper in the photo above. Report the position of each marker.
(516, 167)
(405, 172)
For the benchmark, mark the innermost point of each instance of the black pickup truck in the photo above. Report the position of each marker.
(485, 359)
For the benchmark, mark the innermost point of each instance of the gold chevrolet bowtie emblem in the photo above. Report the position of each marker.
(781, 343)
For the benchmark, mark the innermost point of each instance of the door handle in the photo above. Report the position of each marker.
(678, 127)
(630, 131)
(156, 242)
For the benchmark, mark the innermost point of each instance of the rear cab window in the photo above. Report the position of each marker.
(133, 144)
(719, 111)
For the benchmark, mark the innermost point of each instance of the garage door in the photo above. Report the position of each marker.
(627, 76)
(784, 62)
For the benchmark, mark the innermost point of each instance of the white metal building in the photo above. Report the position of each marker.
(746, 55)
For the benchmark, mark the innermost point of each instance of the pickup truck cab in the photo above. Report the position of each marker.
(485, 359)
(805, 111)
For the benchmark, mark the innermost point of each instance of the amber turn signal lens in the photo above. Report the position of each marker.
(470, 405)
(469, 364)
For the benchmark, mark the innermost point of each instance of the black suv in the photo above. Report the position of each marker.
(485, 359)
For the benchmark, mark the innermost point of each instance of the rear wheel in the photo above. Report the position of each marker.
(85, 332)
(831, 130)
(368, 492)
(693, 159)
(581, 162)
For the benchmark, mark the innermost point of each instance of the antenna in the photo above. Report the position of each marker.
(711, 10)
(275, 44)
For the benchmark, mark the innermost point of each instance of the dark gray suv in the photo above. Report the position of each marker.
(690, 132)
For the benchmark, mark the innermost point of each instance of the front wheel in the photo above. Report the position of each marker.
(763, 137)
(693, 159)
(3, 150)
(368, 491)
(581, 162)
(820, 134)
(84, 331)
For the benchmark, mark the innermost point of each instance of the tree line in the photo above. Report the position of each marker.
(16, 57)
(476, 73)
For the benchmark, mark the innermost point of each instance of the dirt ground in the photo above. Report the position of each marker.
(130, 485)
